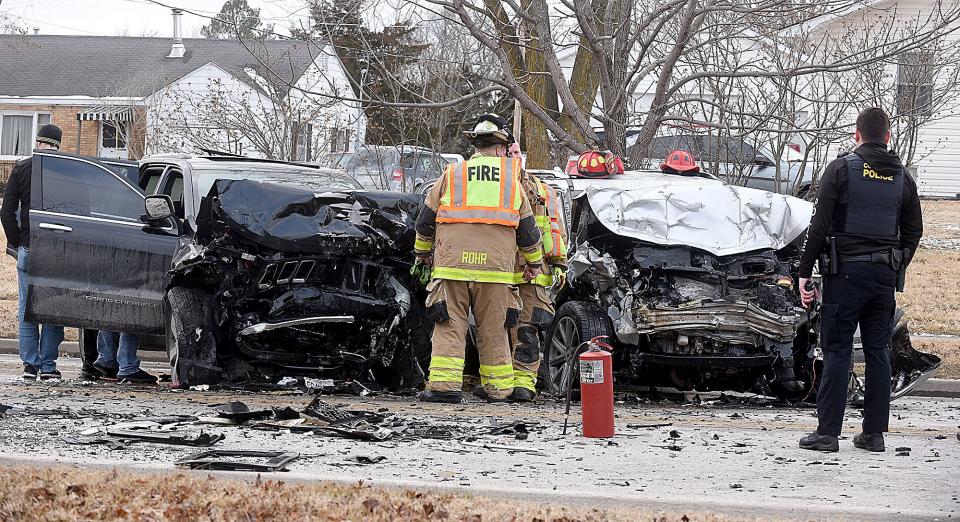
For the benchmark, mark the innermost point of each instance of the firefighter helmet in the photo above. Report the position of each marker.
(598, 164)
(680, 161)
(491, 128)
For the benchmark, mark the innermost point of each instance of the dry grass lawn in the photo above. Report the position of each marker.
(28, 494)
(931, 300)
(946, 349)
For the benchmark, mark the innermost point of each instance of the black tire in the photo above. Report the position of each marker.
(575, 322)
(191, 337)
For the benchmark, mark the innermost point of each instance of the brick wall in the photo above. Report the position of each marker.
(65, 117)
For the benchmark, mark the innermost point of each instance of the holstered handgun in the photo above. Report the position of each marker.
(828, 258)
(898, 262)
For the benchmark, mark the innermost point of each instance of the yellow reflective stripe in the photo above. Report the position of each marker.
(499, 376)
(525, 379)
(466, 274)
(443, 361)
(448, 172)
(423, 246)
(437, 375)
(446, 369)
(492, 217)
(541, 279)
(533, 257)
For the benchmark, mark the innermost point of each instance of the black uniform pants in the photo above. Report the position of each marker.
(862, 293)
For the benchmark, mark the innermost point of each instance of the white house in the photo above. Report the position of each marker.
(125, 97)
(923, 88)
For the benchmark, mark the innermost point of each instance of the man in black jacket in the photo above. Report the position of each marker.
(868, 206)
(38, 347)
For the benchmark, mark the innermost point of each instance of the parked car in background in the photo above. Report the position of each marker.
(453, 158)
(384, 167)
(737, 162)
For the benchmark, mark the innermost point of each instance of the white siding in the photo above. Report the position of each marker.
(938, 149)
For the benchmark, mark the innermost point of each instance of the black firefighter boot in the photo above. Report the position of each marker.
(522, 395)
(447, 397)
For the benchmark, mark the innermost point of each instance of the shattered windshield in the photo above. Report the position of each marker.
(297, 177)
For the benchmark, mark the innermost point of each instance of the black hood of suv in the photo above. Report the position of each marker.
(301, 221)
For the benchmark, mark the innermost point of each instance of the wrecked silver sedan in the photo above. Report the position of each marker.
(693, 280)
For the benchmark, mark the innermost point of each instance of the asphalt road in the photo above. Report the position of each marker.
(738, 459)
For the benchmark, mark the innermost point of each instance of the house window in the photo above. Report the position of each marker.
(915, 83)
(339, 140)
(304, 143)
(114, 135)
(18, 131)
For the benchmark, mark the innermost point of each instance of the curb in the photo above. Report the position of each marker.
(948, 388)
(72, 348)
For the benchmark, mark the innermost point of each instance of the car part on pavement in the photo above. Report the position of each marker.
(218, 460)
(167, 437)
(240, 412)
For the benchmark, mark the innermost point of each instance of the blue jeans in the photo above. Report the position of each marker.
(39, 347)
(118, 350)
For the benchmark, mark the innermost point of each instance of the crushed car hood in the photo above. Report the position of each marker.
(709, 215)
(301, 221)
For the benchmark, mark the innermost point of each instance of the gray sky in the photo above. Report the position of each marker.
(138, 17)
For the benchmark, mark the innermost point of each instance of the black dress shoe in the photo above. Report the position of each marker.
(447, 397)
(522, 395)
(869, 441)
(817, 442)
(106, 372)
(481, 392)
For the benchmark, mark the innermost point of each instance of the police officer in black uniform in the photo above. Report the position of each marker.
(867, 221)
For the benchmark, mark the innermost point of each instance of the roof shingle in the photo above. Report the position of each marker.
(102, 66)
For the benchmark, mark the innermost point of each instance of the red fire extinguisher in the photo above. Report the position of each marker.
(596, 389)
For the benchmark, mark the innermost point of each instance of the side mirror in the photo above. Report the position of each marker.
(158, 207)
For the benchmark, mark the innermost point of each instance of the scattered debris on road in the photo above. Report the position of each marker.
(218, 460)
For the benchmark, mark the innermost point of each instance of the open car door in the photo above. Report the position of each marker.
(93, 263)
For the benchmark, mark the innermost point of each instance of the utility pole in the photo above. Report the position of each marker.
(358, 126)
(517, 109)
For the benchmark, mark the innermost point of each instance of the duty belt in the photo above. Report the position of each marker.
(882, 258)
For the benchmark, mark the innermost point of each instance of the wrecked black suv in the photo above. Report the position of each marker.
(693, 281)
(246, 268)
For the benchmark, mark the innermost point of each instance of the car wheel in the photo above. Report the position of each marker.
(191, 337)
(574, 323)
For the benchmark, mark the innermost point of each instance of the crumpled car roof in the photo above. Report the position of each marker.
(700, 213)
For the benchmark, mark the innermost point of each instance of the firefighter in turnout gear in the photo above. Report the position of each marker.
(537, 312)
(469, 229)
(865, 228)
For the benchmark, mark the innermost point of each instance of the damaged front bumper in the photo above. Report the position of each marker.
(313, 283)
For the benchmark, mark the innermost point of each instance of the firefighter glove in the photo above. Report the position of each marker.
(421, 270)
(559, 277)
